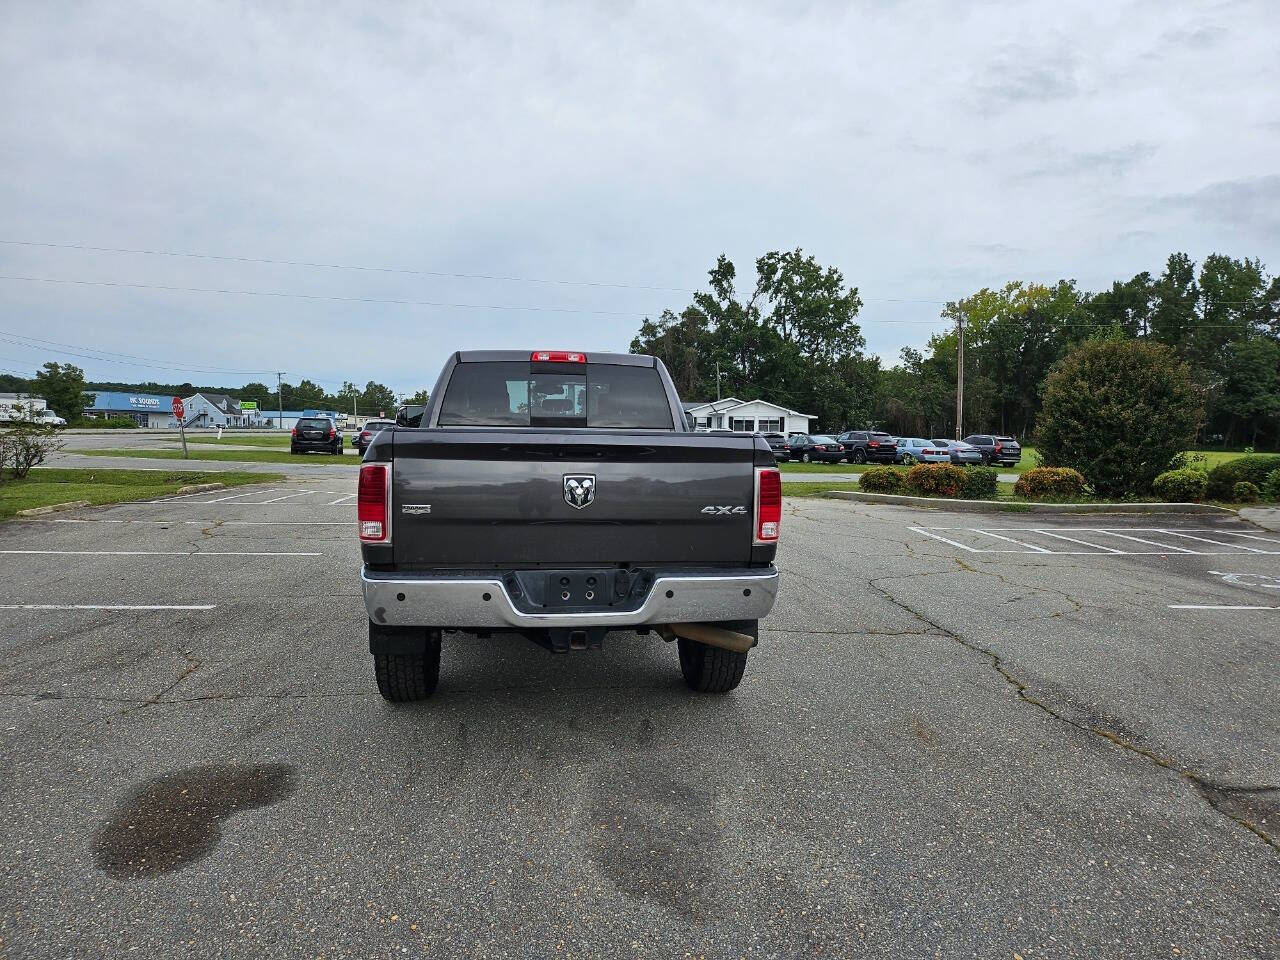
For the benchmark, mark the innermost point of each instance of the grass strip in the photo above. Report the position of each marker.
(226, 456)
(43, 487)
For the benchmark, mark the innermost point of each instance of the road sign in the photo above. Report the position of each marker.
(177, 408)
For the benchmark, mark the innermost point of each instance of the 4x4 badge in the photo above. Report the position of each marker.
(579, 489)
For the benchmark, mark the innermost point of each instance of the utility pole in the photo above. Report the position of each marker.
(959, 372)
(717, 381)
(280, 398)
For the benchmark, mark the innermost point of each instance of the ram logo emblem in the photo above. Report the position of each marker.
(579, 489)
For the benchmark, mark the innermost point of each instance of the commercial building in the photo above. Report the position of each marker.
(748, 415)
(148, 409)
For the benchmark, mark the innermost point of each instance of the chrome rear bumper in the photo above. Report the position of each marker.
(399, 599)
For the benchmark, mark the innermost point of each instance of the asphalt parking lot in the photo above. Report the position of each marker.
(986, 736)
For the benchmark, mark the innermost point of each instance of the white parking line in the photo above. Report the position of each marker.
(1083, 543)
(1153, 543)
(287, 496)
(1220, 543)
(200, 523)
(1215, 606)
(107, 606)
(160, 553)
(1233, 533)
(334, 503)
(1029, 546)
(250, 493)
(944, 539)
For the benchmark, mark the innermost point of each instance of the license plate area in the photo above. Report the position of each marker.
(577, 589)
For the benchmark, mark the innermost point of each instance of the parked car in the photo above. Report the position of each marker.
(996, 448)
(780, 446)
(919, 450)
(961, 453)
(652, 528)
(316, 433)
(817, 448)
(364, 437)
(861, 446)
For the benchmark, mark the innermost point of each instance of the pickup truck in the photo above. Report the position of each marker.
(562, 495)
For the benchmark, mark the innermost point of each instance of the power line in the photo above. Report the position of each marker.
(172, 367)
(316, 296)
(346, 266)
(128, 356)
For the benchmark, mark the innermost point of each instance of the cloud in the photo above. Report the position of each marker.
(1025, 74)
(1111, 163)
(1252, 203)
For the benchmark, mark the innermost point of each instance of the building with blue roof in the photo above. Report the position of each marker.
(148, 409)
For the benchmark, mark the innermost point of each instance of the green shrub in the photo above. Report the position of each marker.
(980, 483)
(107, 423)
(1245, 492)
(1180, 486)
(935, 480)
(1050, 483)
(1118, 411)
(1271, 486)
(1254, 469)
(880, 480)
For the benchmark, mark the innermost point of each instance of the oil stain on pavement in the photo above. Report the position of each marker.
(174, 820)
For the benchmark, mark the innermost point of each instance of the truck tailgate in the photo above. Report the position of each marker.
(462, 497)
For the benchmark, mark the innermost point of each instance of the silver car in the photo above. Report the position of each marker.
(959, 452)
(919, 450)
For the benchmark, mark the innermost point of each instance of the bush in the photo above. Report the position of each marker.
(880, 480)
(1050, 483)
(1271, 486)
(107, 423)
(935, 480)
(1254, 469)
(1245, 492)
(25, 445)
(1180, 486)
(1118, 411)
(980, 483)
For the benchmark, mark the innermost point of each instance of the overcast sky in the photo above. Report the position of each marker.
(923, 150)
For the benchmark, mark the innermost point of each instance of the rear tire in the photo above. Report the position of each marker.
(859, 455)
(412, 675)
(804, 458)
(712, 669)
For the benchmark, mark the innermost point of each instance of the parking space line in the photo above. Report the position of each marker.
(287, 496)
(1029, 546)
(224, 523)
(249, 493)
(334, 503)
(107, 606)
(1220, 543)
(944, 539)
(1233, 533)
(1083, 543)
(1153, 543)
(162, 553)
(1216, 606)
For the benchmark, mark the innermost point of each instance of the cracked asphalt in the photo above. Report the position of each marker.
(936, 751)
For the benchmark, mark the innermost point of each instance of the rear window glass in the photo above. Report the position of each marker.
(314, 423)
(522, 394)
(881, 436)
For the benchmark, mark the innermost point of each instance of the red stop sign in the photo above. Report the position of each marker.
(177, 407)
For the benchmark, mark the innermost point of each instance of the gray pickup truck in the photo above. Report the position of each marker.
(561, 496)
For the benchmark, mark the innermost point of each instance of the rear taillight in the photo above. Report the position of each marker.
(874, 443)
(295, 431)
(999, 446)
(768, 504)
(365, 434)
(332, 433)
(373, 503)
(557, 356)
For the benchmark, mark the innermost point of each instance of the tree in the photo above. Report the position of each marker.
(422, 397)
(1251, 387)
(377, 398)
(62, 387)
(1119, 412)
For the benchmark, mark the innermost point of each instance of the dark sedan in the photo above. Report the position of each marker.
(816, 449)
(365, 436)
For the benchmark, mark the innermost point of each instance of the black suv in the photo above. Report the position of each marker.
(363, 437)
(780, 446)
(996, 449)
(861, 446)
(316, 433)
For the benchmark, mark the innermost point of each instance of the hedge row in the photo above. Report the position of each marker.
(932, 480)
(1050, 483)
(1252, 469)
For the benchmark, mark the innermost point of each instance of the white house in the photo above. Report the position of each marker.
(218, 410)
(749, 415)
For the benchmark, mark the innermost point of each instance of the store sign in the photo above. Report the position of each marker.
(144, 403)
(248, 404)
